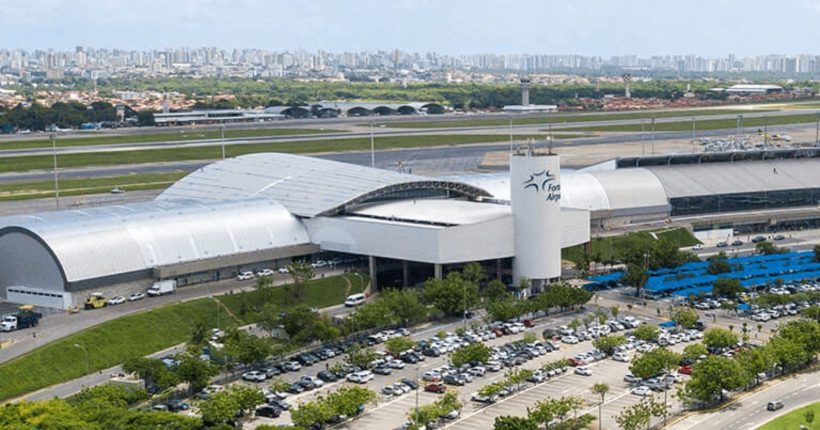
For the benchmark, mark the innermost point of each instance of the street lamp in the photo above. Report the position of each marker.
(87, 359)
(653, 135)
(53, 138)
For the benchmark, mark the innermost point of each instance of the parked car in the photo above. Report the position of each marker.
(244, 276)
(268, 411)
(116, 300)
(641, 391)
(254, 376)
(621, 356)
(136, 296)
(583, 370)
(360, 377)
(436, 388)
(410, 383)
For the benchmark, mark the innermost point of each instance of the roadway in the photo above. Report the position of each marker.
(748, 410)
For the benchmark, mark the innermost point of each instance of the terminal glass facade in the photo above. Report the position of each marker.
(744, 201)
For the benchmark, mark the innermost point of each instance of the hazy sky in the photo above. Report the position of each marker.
(590, 27)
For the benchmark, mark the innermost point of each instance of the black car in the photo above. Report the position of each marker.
(295, 389)
(410, 358)
(758, 239)
(306, 359)
(737, 243)
(410, 383)
(277, 403)
(431, 352)
(268, 411)
(323, 354)
(307, 384)
(453, 380)
(326, 376)
(270, 372)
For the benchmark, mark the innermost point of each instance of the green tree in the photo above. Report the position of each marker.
(452, 295)
(816, 250)
(347, 399)
(756, 361)
(607, 344)
(473, 272)
(647, 332)
(224, 405)
(635, 276)
(804, 332)
(300, 272)
(812, 312)
(719, 264)
(361, 357)
(615, 311)
(246, 348)
(788, 354)
(495, 290)
(505, 309)
(514, 423)
(685, 317)
(694, 351)
(768, 248)
(713, 375)
(403, 306)
(199, 334)
(397, 345)
(600, 389)
(653, 363)
(727, 287)
(312, 412)
(195, 371)
(716, 337)
(634, 417)
(472, 353)
(154, 372)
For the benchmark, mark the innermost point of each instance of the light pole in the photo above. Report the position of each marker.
(56, 177)
(643, 137)
(817, 129)
(87, 359)
(765, 131)
(511, 136)
(372, 147)
(222, 138)
(694, 121)
(737, 133)
(653, 135)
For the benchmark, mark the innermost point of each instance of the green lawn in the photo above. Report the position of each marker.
(76, 187)
(561, 118)
(184, 135)
(140, 334)
(794, 419)
(712, 124)
(613, 248)
(103, 158)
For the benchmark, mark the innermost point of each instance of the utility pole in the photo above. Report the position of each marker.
(511, 136)
(56, 177)
(653, 135)
(372, 147)
(817, 129)
(765, 131)
(643, 137)
(694, 120)
(737, 133)
(222, 133)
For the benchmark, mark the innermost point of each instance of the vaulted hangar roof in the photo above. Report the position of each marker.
(306, 186)
(115, 240)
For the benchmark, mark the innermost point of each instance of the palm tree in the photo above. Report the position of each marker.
(600, 389)
(199, 333)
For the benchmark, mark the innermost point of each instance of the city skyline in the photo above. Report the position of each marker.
(594, 28)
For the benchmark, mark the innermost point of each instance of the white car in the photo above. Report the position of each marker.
(360, 377)
(118, 300)
(395, 364)
(265, 272)
(136, 296)
(244, 276)
(283, 270)
(697, 247)
(254, 376)
(477, 371)
(620, 356)
(630, 378)
(569, 339)
(641, 391)
(583, 370)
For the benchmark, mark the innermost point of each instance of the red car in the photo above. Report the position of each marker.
(528, 323)
(498, 333)
(437, 388)
(685, 370)
(576, 362)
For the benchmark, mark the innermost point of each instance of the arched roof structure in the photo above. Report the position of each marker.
(306, 186)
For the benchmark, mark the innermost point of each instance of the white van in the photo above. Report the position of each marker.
(354, 300)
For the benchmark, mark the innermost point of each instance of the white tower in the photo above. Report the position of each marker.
(535, 190)
(627, 85)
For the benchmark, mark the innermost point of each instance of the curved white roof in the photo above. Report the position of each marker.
(114, 240)
(630, 188)
(306, 186)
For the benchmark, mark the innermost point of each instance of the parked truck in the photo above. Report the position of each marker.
(24, 318)
(161, 288)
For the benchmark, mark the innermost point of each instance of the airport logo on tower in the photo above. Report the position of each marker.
(544, 181)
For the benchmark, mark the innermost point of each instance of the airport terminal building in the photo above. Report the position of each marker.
(261, 210)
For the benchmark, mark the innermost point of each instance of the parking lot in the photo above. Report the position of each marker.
(391, 411)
